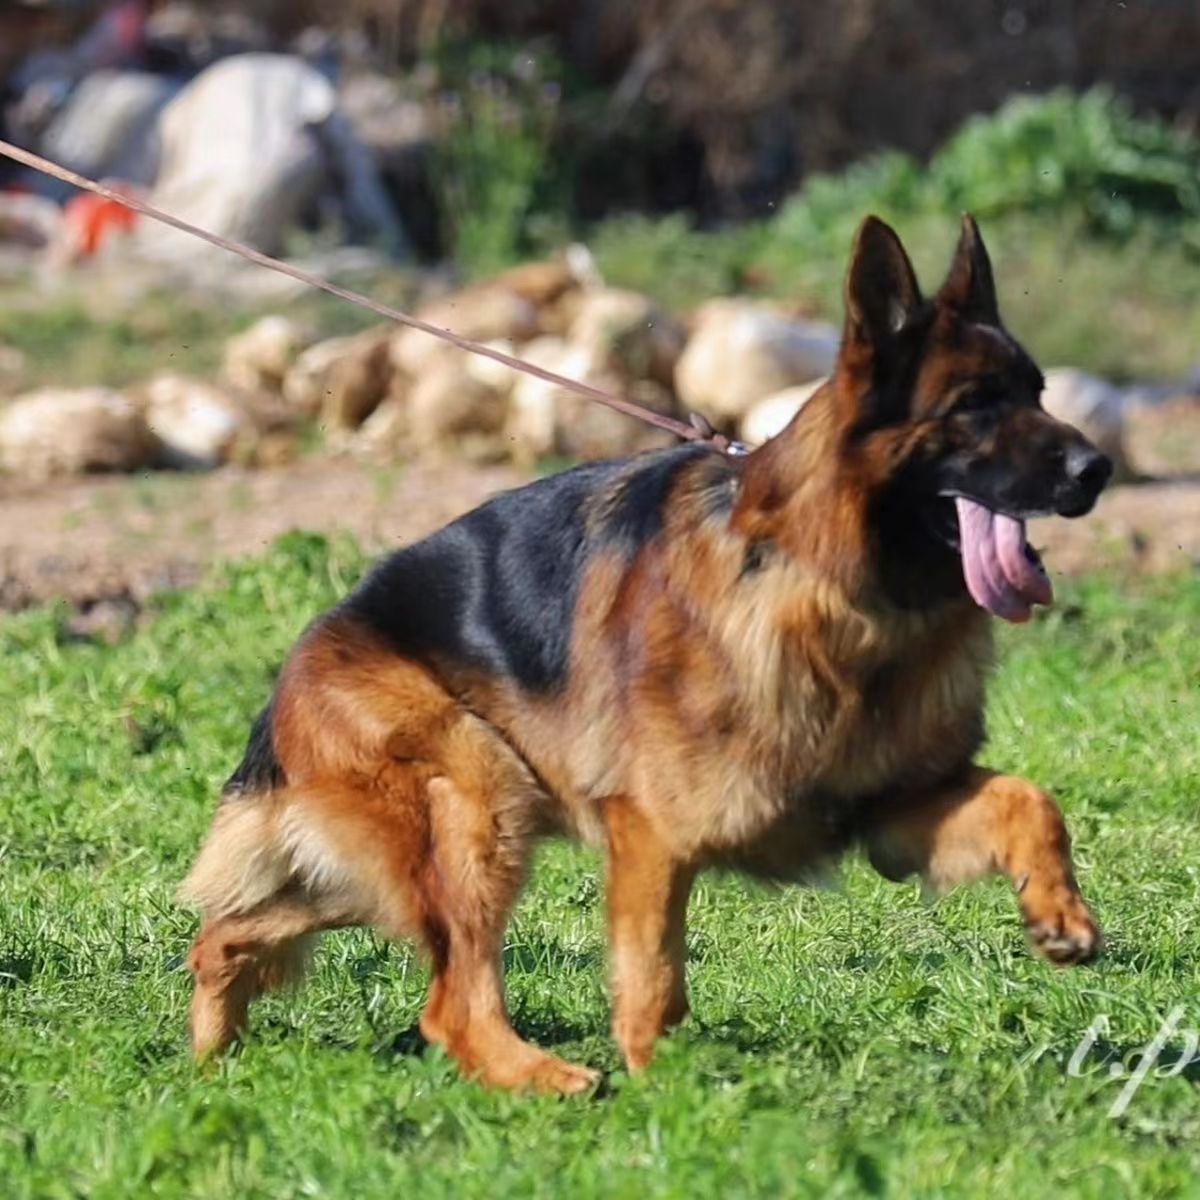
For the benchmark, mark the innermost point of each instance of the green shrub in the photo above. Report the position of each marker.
(495, 168)
(1085, 208)
(1086, 157)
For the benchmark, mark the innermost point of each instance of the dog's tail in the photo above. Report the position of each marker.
(244, 860)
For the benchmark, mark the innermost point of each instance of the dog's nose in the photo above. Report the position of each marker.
(1089, 468)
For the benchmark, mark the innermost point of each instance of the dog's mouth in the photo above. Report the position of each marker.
(1003, 572)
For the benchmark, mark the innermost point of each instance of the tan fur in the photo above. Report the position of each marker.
(994, 823)
(242, 862)
(648, 893)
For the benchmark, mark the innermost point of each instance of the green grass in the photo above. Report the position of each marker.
(88, 333)
(849, 1041)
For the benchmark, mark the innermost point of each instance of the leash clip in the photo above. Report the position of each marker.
(703, 426)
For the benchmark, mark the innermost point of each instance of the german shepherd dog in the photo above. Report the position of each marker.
(685, 658)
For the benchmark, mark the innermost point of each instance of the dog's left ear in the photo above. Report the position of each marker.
(969, 288)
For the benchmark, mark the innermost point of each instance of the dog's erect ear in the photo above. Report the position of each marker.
(881, 288)
(970, 288)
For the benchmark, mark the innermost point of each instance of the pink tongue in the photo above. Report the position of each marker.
(999, 576)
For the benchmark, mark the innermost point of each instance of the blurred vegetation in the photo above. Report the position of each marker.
(527, 147)
(510, 174)
(496, 172)
(717, 107)
(99, 332)
(1086, 157)
(1091, 213)
(1127, 310)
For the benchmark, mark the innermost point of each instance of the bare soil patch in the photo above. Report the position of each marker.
(86, 540)
(99, 541)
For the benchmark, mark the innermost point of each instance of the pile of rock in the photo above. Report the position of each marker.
(172, 421)
(394, 392)
(397, 392)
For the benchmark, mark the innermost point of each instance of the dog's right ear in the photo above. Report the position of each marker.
(881, 292)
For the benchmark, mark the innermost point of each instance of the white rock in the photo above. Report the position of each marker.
(246, 147)
(591, 431)
(534, 404)
(1094, 406)
(385, 431)
(307, 380)
(60, 431)
(357, 380)
(740, 352)
(546, 419)
(258, 358)
(198, 424)
(630, 331)
(772, 414)
(487, 370)
(108, 125)
(582, 264)
(482, 313)
(450, 413)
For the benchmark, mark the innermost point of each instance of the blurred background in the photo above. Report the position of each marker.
(656, 198)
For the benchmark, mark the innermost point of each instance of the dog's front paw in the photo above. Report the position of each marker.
(1061, 928)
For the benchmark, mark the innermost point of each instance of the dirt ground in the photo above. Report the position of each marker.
(92, 539)
(101, 542)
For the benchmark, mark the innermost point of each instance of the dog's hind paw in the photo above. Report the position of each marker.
(526, 1068)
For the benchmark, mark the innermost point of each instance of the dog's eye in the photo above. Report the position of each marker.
(976, 400)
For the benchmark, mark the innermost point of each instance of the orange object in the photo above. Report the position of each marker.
(91, 219)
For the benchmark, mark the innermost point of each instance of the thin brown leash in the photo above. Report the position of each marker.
(697, 429)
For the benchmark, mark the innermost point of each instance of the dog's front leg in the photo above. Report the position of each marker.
(984, 823)
(647, 904)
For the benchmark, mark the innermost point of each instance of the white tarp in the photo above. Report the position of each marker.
(247, 146)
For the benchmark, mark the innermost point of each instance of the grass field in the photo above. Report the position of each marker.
(850, 1041)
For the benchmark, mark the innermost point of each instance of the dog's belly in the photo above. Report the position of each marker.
(783, 822)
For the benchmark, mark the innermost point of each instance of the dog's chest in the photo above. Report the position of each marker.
(894, 706)
(823, 732)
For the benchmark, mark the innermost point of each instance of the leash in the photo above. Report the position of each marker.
(696, 429)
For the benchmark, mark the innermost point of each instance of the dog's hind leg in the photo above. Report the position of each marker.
(990, 823)
(477, 865)
(431, 842)
(256, 883)
(436, 847)
(647, 905)
(236, 958)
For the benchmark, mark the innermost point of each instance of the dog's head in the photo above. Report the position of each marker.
(943, 419)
